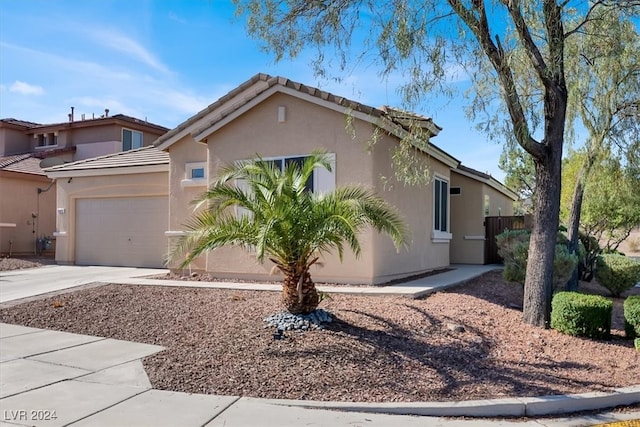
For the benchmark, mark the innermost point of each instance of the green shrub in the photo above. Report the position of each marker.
(617, 273)
(589, 250)
(513, 247)
(636, 342)
(632, 316)
(577, 314)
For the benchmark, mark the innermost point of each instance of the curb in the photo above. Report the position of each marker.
(508, 407)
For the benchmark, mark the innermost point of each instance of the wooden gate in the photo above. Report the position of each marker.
(495, 225)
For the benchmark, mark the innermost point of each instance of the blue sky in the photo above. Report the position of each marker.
(165, 60)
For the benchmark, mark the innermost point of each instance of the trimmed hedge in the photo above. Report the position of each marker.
(577, 314)
(632, 316)
(617, 273)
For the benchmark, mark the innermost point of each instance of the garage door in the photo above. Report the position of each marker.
(127, 232)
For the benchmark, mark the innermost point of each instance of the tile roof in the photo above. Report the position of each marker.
(96, 120)
(145, 156)
(396, 116)
(22, 163)
(17, 122)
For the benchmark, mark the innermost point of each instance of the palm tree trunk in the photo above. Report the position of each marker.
(299, 295)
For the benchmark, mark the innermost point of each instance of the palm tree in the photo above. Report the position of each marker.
(280, 219)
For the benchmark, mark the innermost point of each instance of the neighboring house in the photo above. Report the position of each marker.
(281, 120)
(28, 202)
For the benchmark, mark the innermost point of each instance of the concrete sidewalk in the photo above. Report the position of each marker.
(51, 378)
(19, 284)
(459, 273)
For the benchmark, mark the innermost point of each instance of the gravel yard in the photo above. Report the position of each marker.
(465, 343)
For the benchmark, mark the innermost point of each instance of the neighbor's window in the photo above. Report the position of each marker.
(440, 205)
(487, 206)
(131, 139)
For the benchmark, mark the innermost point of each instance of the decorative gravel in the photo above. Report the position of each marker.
(285, 321)
(465, 343)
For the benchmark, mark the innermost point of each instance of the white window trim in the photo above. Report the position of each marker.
(194, 182)
(317, 184)
(132, 132)
(438, 236)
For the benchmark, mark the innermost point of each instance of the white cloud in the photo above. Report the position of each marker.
(119, 42)
(176, 18)
(25, 88)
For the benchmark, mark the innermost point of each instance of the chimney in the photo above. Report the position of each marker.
(106, 112)
(71, 115)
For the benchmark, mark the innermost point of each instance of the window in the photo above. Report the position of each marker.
(131, 139)
(195, 174)
(487, 205)
(322, 179)
(440, 204)
(283, 162)
(440, 232)
(46, 139)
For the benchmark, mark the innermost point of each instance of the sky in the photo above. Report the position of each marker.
(165, 60)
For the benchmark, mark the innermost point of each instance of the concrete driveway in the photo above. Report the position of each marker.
(18, 284)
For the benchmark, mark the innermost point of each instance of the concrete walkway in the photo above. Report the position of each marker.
(51, 378)
(459, 273)
(19, 284)
(92, 381)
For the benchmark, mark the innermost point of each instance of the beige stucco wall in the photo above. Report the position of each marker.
(467, 221)
(499, 204)
(467, 217)
(417, 207)
(19, 199)
(125, 185)
(309, 126)
(13, 141)
(181, 196)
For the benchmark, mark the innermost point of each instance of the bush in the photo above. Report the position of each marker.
(632, 316)
(636, 342)
(513, 247)
(617, 273)
(589, 251)
(577, 314)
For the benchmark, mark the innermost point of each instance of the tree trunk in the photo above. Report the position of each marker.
(576, 209)
(299, 296)
(574, 224)
(538, 285)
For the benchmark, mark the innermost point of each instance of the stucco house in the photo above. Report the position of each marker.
(279, 119)
(28, 202)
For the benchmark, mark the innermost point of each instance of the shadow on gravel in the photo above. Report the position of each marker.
(461, 361)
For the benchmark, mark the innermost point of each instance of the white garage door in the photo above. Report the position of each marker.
(127, 231)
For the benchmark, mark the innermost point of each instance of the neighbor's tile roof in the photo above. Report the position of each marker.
(145, 156)
(16, 122)
(23, 163)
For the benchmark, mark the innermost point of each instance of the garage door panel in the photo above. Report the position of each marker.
(121, 231)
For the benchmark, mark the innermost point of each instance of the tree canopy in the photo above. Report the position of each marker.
(424, 41)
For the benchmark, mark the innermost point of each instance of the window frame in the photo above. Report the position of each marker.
(319, 179)
(441, 233)
(132, 131)
(188, 180)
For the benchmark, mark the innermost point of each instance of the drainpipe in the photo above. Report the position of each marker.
(36, 216)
